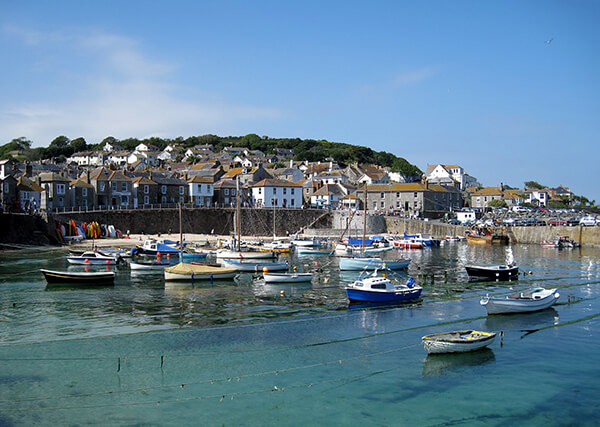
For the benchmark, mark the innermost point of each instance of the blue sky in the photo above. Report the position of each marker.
(472, 83)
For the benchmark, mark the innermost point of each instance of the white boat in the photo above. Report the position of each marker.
(305, 242)
(240, 265)
(279, 245)
(154, 247)
(94, 258)
(534, 299)
(311, 251)
(371, 263)
(371, 251)
(457, 341)
(241, 254)
(374, 288)
(148, 265)
(190, 272)
(287, 277)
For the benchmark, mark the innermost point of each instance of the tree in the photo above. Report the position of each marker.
(78, 144)
(498, 203)
(60, 142)
(533, 184)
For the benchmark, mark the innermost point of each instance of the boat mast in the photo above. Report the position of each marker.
(273, 221)
(237, 212)
(364, 222)
(180, 234)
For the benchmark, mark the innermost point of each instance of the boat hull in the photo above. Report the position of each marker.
(372, 296)
(246, 254)
(250, 266)
(495, 273)
(81, 278)
(148, 265)
(357, 264)
(287, 278)
(506, 305)
(457, 342)
(91, 261)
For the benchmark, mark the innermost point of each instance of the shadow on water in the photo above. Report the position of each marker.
(453, 363)
(522, 321)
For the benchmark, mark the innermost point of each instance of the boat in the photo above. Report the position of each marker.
(457, 341)
(378, 250)
(148, 265)
(426, 239)
(374, 288)
(533, 299)
(241, 265)
(409, 244)
(487, 238)
(497, 272)
(287, 277)
(305, 242)
(190, 272)
(245, 254)
(357, 263)
(194, 255)
(310, 251)
(279, 246)
(80, 277)
(562, 242)
(92, 257)
(155, 247)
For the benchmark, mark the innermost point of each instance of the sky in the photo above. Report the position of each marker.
(509, 90)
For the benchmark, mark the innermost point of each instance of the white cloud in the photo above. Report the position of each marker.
(124, 94)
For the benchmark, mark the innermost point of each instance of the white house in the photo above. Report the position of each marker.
(201, 190)
(331, 177)
(277, 192)
(145, 148)
(450, 176)
(146, 157)
(118, 158)
(537, 197)
(327, 196)
(88, 158)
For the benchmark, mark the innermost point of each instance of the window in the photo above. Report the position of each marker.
(146, 189)
(415, 194)
(123, 186)
(60, 189)
(163, 189)
(382, 195)
(180, 200)
(397, 194)
(60, 201)
(415, 204)
(84, 192)
(398, 205)
(84, 203)
(233, 191)
(292, 191)
(374, 205)
(146, 200)
(382, 204)
(226, 200)
(284, 190)
(163, 199)
(101, 186)
(199, 188)
(259, 190)
(274, 190)
(124, 200)
(114, 186)
(181, 190)
(227, 194)
(6, 187)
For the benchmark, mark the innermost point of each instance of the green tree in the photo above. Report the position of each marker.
(78, 144)
(60, 142)
(533, 184)
(498, 203)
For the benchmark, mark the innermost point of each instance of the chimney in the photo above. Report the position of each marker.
(87, 176)
(28, 170)
(330, 165)
(426, 185)
(291, 163)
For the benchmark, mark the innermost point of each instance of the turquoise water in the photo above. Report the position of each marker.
(233, 353)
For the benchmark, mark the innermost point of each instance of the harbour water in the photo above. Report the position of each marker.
(242, 352)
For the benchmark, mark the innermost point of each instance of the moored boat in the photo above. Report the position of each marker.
(457, 341)
(374, 288)
(91, 257)
(190, 272)
(311, 251)
(80, 277)
(533, 299)
(154, 247)
(148, 265)
(243, 254)
(497, 272)
(486, 238)
(287, 277)
(257, 266)
(371, 263)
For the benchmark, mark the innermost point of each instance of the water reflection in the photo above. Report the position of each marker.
(454, 363)
(522, 321)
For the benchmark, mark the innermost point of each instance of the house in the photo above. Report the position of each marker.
(411, 199)
(171, 187)
(331, 177)
(88, 158)
(288, 174)
(82, 193)
(537, 197)
(146, 148)
(201, 191)
(168, 154)
(373, 175)
(146, 157)
(350, 201)
(118, 158)
(277, 192)
(99, 178)
(145, 191)
(248, 176)
(481, 198)
(56, 188)
(450, 176)
(9, 194)
(328, 196)
(121, 194)
(110, 147)
(29, 194)
(225, 193)
(560, 193)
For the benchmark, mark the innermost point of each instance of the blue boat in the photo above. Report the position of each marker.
(376, 288)
(153, 247)
(194, 256)
(365, 263)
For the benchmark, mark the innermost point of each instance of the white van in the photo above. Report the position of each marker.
(589, 221)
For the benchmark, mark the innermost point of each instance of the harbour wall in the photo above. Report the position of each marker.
(221, 221)
(21, 229)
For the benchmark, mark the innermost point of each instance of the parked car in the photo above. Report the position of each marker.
(509, 221)
(454, 221)
(556, 222)
(573, 221)
(589, 221)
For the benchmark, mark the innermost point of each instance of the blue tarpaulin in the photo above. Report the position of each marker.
(359, 242)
